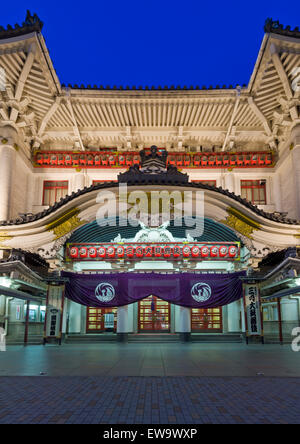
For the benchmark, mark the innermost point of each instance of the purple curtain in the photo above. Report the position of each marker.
(185, 289)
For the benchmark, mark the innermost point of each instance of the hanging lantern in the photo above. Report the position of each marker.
(204, 251)
(122, 160)
(195, 250)
(148, 251)
(90, 160)
(187, 160)
(130, 251)
(136, 159)
(186, 251)
(196, 160)
(158, 251)
(214, 251)
(82, 160)
(120, 251)
(112, 160)
(232, 251)
(97, 160)
(223, 251)
(111, 252)
(102, 252)
(167, 251)
(92, 252)
(139, 252)
(219, 160)
(76, 160)
(53, 160)
(74, 252)
(176, 251)
(211, 160)
(61, 159)
(68, 160)
(83, 252)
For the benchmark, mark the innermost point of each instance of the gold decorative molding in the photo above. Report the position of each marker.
(66, 223)
(240, 222)
(3, 238)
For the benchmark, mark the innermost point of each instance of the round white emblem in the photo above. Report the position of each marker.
(201, 292)
(105, 292)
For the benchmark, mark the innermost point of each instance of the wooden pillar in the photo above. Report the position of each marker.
(26, 323)
(279, 321)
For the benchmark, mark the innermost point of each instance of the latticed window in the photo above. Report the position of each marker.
(54, 191)
(212, 183)
(254, 191)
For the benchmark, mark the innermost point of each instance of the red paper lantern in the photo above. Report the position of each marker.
(204, 160)
(83, 252)
(186, 251)
(120, 251)
(167, 251)
(148, 251)
(232, 251)
(122, 160)
(204, 251)
(223, 251)
(40, 159)
(214, 251)
(74, 252)
(92, 252)
(102, 252)
(61, 159)
(187, 160)
(139, 252)
(82, 160)
(195, 250)
(211, 160)
(68, 160)
(112, 160)
(104, 159)
(130, 251)
(196, 160)
(176, 251)
(90, 160)
(97, 161)
(158, 251)
(111, 252)
(53, 160)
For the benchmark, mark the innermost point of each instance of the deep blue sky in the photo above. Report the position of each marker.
(166, 42)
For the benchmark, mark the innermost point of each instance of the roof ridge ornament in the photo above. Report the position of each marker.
(32, 23)
(275, 27)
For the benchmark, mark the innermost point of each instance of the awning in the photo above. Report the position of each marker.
(282, 293)
(12, 293)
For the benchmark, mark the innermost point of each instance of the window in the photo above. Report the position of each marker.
(212, 183)
(54, 191)
(254, 191)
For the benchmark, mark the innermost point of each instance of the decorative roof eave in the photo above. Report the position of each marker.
(26, 219)
(31, 24)
(46, 232)
(274, 27)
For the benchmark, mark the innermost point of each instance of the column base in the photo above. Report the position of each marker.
(185, 337)
(122, 337)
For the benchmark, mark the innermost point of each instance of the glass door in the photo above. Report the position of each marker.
(154, 315)
(101, 319)
(207, 320)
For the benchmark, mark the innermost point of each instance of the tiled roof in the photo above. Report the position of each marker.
(31, 24)
(274, 27)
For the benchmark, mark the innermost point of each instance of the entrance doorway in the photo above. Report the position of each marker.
(154, 315)
(99, 320)
(207, 320)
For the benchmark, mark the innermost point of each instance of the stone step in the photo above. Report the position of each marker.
(217, 337)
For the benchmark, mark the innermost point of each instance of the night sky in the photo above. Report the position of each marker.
(166, 42)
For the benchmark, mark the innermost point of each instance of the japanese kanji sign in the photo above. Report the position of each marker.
(252, 306)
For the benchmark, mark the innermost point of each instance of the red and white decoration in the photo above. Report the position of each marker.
(147, 251)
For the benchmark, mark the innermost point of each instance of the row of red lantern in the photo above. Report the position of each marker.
(180, 160)
(129, 252)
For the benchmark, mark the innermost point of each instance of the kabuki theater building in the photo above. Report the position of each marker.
(148, 213)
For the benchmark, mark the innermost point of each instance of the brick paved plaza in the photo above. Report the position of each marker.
(150, 383)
